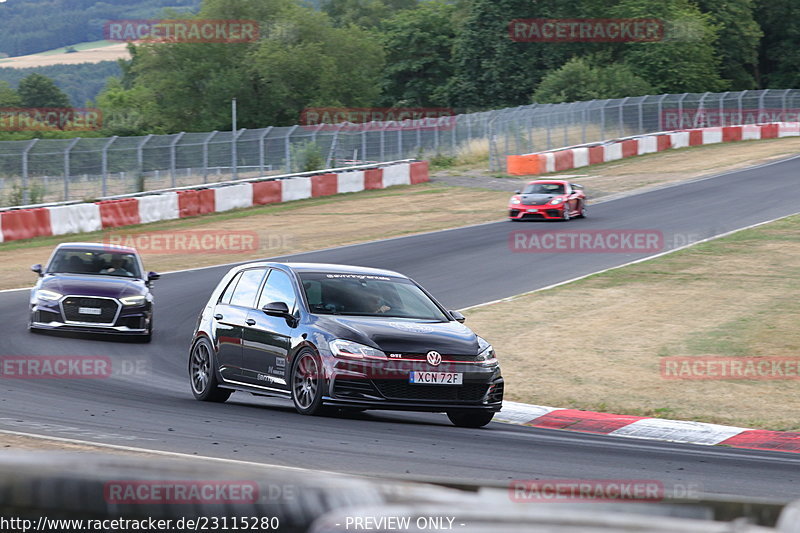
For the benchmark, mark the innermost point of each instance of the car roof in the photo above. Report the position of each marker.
(96, 246)
(561, 182)
(329, 268)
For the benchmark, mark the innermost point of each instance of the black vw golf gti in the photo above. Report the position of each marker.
(341, 336)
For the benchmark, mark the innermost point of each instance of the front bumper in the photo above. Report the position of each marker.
(535, 212)
(370, 386)
(130, 320)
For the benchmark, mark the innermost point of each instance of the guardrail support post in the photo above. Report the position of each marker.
(205, 154)
(234, 153)
(25, 193)
(288, 148)
(261, 149)
(67, 150)
(172, 157)
(104, 164)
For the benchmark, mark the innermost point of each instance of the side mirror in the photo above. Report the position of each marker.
(37, 268)
(152, 276)
(517, 192)
(276, 309)
(458, 317)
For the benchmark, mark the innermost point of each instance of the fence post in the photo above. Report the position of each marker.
(261, 149)
(603, 119)
(234, 153)
(288, 148)
(25, 193)
(172, 150)
(140, 159)
(722, 109)
(205, 154)
(364, 146)
(680, 108)
(104, 163)
(641, 115)
(784, 108)
(661, 125)
(622, 116)
(741, 106)
(67, 150)
(761, 103)
(331, 160)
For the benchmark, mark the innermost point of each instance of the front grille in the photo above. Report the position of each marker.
(398, 389)
(513, 212)
(108, 309)
(133, 322)
(537, 216)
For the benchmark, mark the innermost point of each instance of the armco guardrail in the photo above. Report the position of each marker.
(29, 222)
(594, 153)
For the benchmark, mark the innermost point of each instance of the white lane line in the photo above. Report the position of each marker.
(642, 260)
(132, 449)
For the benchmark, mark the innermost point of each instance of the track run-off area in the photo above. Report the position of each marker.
(147, 403)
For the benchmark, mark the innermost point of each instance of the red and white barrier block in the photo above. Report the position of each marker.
(24, 223)
(639, 427)
(591, 154)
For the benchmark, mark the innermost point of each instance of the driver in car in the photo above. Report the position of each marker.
(116, 267)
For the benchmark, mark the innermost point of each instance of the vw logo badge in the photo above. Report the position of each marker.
(434, 358)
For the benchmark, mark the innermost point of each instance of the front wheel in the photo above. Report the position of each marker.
(307, 384)
(565, 215)
(470, 419)
(203, 374)
(582, 213)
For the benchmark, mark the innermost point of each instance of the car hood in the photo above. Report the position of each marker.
(537, 199)
(107, 286)
(398, 335)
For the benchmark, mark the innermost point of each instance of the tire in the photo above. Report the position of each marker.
(203, 374)
(307, 384)
(565, 217)
(470, 419)
(583, 210)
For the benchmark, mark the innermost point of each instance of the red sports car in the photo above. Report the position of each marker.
(548, 200)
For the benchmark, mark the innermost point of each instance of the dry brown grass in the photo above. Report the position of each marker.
(596, 344)
(94, 55)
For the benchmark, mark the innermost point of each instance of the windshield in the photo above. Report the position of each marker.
(543, 188)
(94, 262)
(364, 295)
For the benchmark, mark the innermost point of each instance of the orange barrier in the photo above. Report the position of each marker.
(597, 154)
(116, 213)
(324, 185)
(770, 131)
(267, 192)
(419, 172)
(630, 148)
(195, 202)
(525, 165)
(731, 133)
(663, 142)
(26, 224)
(564, 160)
(373, 178)
(695, 137)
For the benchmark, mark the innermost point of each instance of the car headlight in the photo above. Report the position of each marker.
(133, 300)
(44, 294)
(486, 355)
(556, 201)
(354, 350)
(515, 200)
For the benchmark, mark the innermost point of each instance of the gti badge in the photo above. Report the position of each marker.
(434, 358)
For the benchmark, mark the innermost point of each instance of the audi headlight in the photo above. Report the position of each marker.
(515, 200)
(556, 201)
(133, 300)
(354, 350)
(486, 354)
(44, 294)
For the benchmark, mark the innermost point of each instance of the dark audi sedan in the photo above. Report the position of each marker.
(343, 337)
(93, 288)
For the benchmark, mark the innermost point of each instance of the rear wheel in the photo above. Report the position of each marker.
(203, 374)
(307, 383)
(470, 419)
